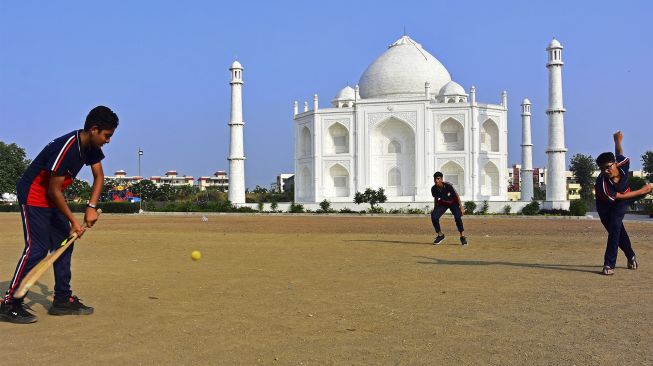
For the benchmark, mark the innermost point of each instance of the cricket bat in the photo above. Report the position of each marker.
(44, 264)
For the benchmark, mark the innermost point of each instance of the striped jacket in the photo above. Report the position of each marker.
(446, 196)
(63, 156)
(605, 190)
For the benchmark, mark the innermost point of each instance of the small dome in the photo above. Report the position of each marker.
(347, 93)
(401, 72)
(526, 101)
(452, 88)
(555, 44)
(236, 65)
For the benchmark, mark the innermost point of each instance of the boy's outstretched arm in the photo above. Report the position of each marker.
(98, 181)
(618, 136)
(632, 194)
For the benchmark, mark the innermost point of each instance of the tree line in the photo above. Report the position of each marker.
(13, 162)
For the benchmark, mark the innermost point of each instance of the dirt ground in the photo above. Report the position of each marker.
(335, 290)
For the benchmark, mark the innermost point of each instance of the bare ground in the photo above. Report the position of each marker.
(301, 290)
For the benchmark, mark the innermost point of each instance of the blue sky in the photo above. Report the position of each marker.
(163, 67)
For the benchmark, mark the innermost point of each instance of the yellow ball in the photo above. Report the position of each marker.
(196, 255)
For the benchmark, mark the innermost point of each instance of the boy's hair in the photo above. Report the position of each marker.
(604, 158)
(102, 117)
(437, 175)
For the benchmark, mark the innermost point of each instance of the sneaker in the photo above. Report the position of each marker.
(16, 313)
(70, 306)
(632, 263)
(463, 240)
(439, 239)
(607, 271)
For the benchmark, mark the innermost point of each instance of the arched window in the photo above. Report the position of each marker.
(452, 135)
(305, 183)
(394, 147)
(305, 142)
(340, 178)
(490, 180)
(339, 139)
(454, 174)
(394, 177)
(490, 136)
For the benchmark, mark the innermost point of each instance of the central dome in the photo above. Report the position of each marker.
(401, 71)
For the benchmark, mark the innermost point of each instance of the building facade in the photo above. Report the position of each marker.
(172, 178)
(219, 180)
(122, 179)
(405, 120)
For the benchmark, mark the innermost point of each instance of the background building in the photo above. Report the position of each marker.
(405, 120)
(219, 180)
(121, 178)
(172, 179)
(285, 182)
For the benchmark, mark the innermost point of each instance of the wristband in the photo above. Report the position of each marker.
(91, 205)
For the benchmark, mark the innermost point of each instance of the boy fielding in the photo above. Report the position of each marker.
(446, 198)
(612, 199)
(47, 220)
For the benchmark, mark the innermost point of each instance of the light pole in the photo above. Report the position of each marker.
(140, 193)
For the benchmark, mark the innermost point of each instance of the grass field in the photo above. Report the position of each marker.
(335, 290)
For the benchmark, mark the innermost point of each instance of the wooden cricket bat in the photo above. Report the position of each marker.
(44, 264)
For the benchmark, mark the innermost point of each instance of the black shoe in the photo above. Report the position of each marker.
(16, 313)
(69, 306)
(463, 240)
(439, 239)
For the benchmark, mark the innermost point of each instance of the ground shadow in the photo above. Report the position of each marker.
(39, 294)
(557, 267)
(389, 241)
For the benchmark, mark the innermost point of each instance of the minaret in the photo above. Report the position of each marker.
(556, 192)
(236, 154)
(526, 172)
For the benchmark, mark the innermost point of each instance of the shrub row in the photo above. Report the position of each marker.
(107, 207)
(9, 208)
(576, 208)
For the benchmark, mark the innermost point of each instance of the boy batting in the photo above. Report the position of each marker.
(46, 218)
(612, 199)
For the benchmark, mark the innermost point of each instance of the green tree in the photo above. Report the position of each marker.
(183, 192)
(108, 186)
(145, 189)
(647, 165)
(371, 196)
(325, 206)
(79, 189)
(578, 208)
(164, 193)
(539, 193)
(12, 165)
(531, 209)
(583, 166)
(635, 183)
(470, 207)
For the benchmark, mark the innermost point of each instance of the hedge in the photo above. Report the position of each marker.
(107, 207)
(9, 208)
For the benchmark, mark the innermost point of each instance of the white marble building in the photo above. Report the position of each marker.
(404, 121)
